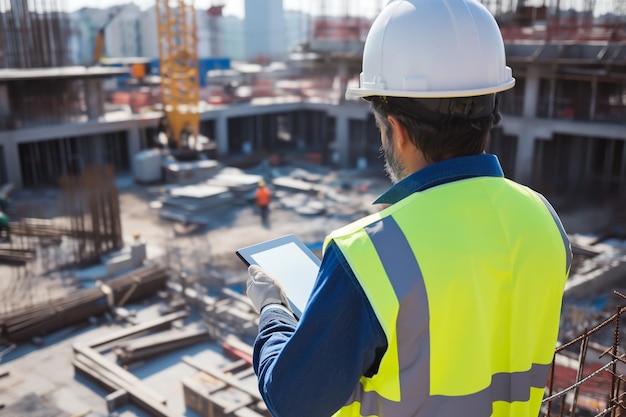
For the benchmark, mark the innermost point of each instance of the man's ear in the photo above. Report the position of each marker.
(399, 133)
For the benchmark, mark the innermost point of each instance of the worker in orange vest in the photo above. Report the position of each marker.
(263, 197)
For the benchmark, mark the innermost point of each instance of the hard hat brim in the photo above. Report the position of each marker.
(359, 92)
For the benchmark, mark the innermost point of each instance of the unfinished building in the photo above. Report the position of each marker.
(563, 129)
(563, 133)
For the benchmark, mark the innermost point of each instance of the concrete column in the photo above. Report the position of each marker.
(551, 97)
(272, 121)
(95, 149)
(343, 79)
(94, 98)
(5, 107)
(133, 139)
(531, 94)
(342, 139)
(576, 172)
(622, 171)
(524, 157)
(593, 98)
(221, 134)
(12, 163)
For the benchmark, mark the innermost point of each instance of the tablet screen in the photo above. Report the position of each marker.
(291, 263)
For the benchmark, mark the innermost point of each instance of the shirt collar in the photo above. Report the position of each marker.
(454, 169)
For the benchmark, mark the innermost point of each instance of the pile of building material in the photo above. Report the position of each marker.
(191, 172)
(46, 317)
(600, 264)
(129, 257)
(153, 345)
(297, 185)
(225, 392)
(232, 313)
(242, 185)
(16, 256)
(302, 203)
(124, 386)
(191, 203)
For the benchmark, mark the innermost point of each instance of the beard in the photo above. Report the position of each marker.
(393, 166)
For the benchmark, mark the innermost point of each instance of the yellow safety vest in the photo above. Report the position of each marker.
(466, 280)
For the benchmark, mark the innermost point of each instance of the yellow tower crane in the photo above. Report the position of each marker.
(178, 59)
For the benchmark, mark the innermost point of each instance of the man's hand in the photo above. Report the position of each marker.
(262, 289)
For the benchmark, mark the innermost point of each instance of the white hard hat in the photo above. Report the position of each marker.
(433, 49)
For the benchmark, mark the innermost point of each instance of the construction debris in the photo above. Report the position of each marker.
(192, 202)
(92, 204)
(21, 325)
(215, 393)
(191, 172)
(14, 256)
(153, 345)
(89, 361)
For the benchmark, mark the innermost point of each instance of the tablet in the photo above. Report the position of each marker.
(290, 262)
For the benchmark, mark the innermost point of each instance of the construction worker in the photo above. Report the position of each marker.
(263, 197)
(447, 301)
(5, 229)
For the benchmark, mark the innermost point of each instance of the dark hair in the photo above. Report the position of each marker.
(437, 140)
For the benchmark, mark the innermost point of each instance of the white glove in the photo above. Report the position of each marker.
(262, 289)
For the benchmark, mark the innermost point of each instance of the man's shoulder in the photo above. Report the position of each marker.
(355, 226)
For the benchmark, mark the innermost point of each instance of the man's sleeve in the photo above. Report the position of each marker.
(310, 368)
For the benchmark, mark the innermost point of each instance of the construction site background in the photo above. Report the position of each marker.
(120, 293)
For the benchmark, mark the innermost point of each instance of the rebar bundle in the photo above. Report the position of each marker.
(33, 34)
(91, 202)
(46, 317)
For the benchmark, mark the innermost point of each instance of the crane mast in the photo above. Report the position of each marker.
(178, 59)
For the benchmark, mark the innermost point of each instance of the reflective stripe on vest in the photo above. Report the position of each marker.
(474, 336)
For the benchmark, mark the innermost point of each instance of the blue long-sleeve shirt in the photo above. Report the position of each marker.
(310, 367)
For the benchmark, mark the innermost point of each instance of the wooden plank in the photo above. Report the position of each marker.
(231, 367)
(216, 373)
(123, 375)
(244, 404)
(134, 330)
(245, 373)
(153, 345)
(117, 399)
(107, 372)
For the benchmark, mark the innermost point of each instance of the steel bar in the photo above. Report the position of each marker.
(49, 316)
(579, 374)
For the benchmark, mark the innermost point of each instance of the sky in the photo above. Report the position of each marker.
(236, 7)
(232, 7)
